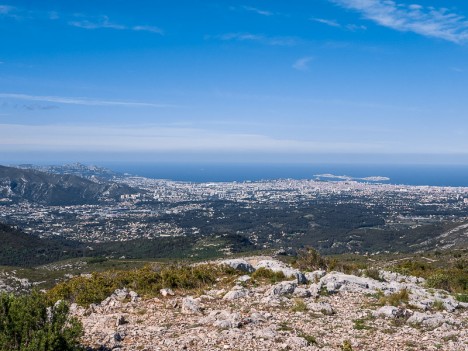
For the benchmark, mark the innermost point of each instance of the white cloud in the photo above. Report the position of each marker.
(267, 40)
(302, 64)
(331, 23)
(80, 101)
(257, 11)
(154, 138)
(150, 29)
(427, 21)
(104, 22)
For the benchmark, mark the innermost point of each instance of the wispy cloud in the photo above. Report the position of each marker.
(331, 23)
(35, 107)
(334, 23)
(424, 20)
(257, 11)
(260, 38)
(104, 22)
(151, 29)
(157, 138)
(77, 20)
(80, 101)
(302, 64)
(101, 22)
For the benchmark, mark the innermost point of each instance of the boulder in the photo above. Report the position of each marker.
(392, 312)
(427, 320)
(224, 319)
(314, 277)
(266, 333)
(239, 264)
(236, 293)
(278, 266)
(301, 292)
(190, 306)
(283, 288)
(323, 307)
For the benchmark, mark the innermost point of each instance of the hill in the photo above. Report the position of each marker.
(20, 249)
(56, 189)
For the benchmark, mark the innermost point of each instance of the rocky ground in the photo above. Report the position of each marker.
(315, 310)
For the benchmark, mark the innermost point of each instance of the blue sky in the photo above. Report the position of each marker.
(275, 81)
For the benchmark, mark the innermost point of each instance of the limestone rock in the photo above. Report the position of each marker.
(323, 307)
(190, 306)
(166, 292)
(427, 320)
(278, 266)
(236, 293)
(314, 277)
(283, 288)
(239, 264)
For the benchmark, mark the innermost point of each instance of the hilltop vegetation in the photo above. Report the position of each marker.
(26, 250)
(30, 323)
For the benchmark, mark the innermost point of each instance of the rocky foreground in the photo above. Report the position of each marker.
(315, 310)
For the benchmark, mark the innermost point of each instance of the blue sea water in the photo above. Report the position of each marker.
(440, 175)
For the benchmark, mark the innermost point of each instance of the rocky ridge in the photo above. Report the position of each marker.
(310, 311)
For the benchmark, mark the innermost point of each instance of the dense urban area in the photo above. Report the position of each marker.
(331, 215)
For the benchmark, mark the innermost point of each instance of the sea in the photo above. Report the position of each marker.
(434, 175)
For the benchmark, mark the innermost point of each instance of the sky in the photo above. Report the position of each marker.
(340, 81)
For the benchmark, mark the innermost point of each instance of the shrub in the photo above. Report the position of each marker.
(145, 281)
(311, 340)
(413, 267)
(346, 346)
(309, 259)
(439, 280)
(396, 299)
(265, 274)
(438, 305)
(360, 324)
(299, 306)
(27, 324)
(373, 273)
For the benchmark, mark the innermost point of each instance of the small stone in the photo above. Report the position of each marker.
(166, 292)
(120, 320)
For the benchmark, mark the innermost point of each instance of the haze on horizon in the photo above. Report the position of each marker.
(325, 80)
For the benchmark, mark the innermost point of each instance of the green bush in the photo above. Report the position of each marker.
(452, 277)
(346, 346)
(309, 259)
(413, 267)
(26, 324)
(373, 273)
(396, 299)
(453, 280)
(265, 274)
(146, 281)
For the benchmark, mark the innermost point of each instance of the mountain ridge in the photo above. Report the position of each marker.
(18, 184)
